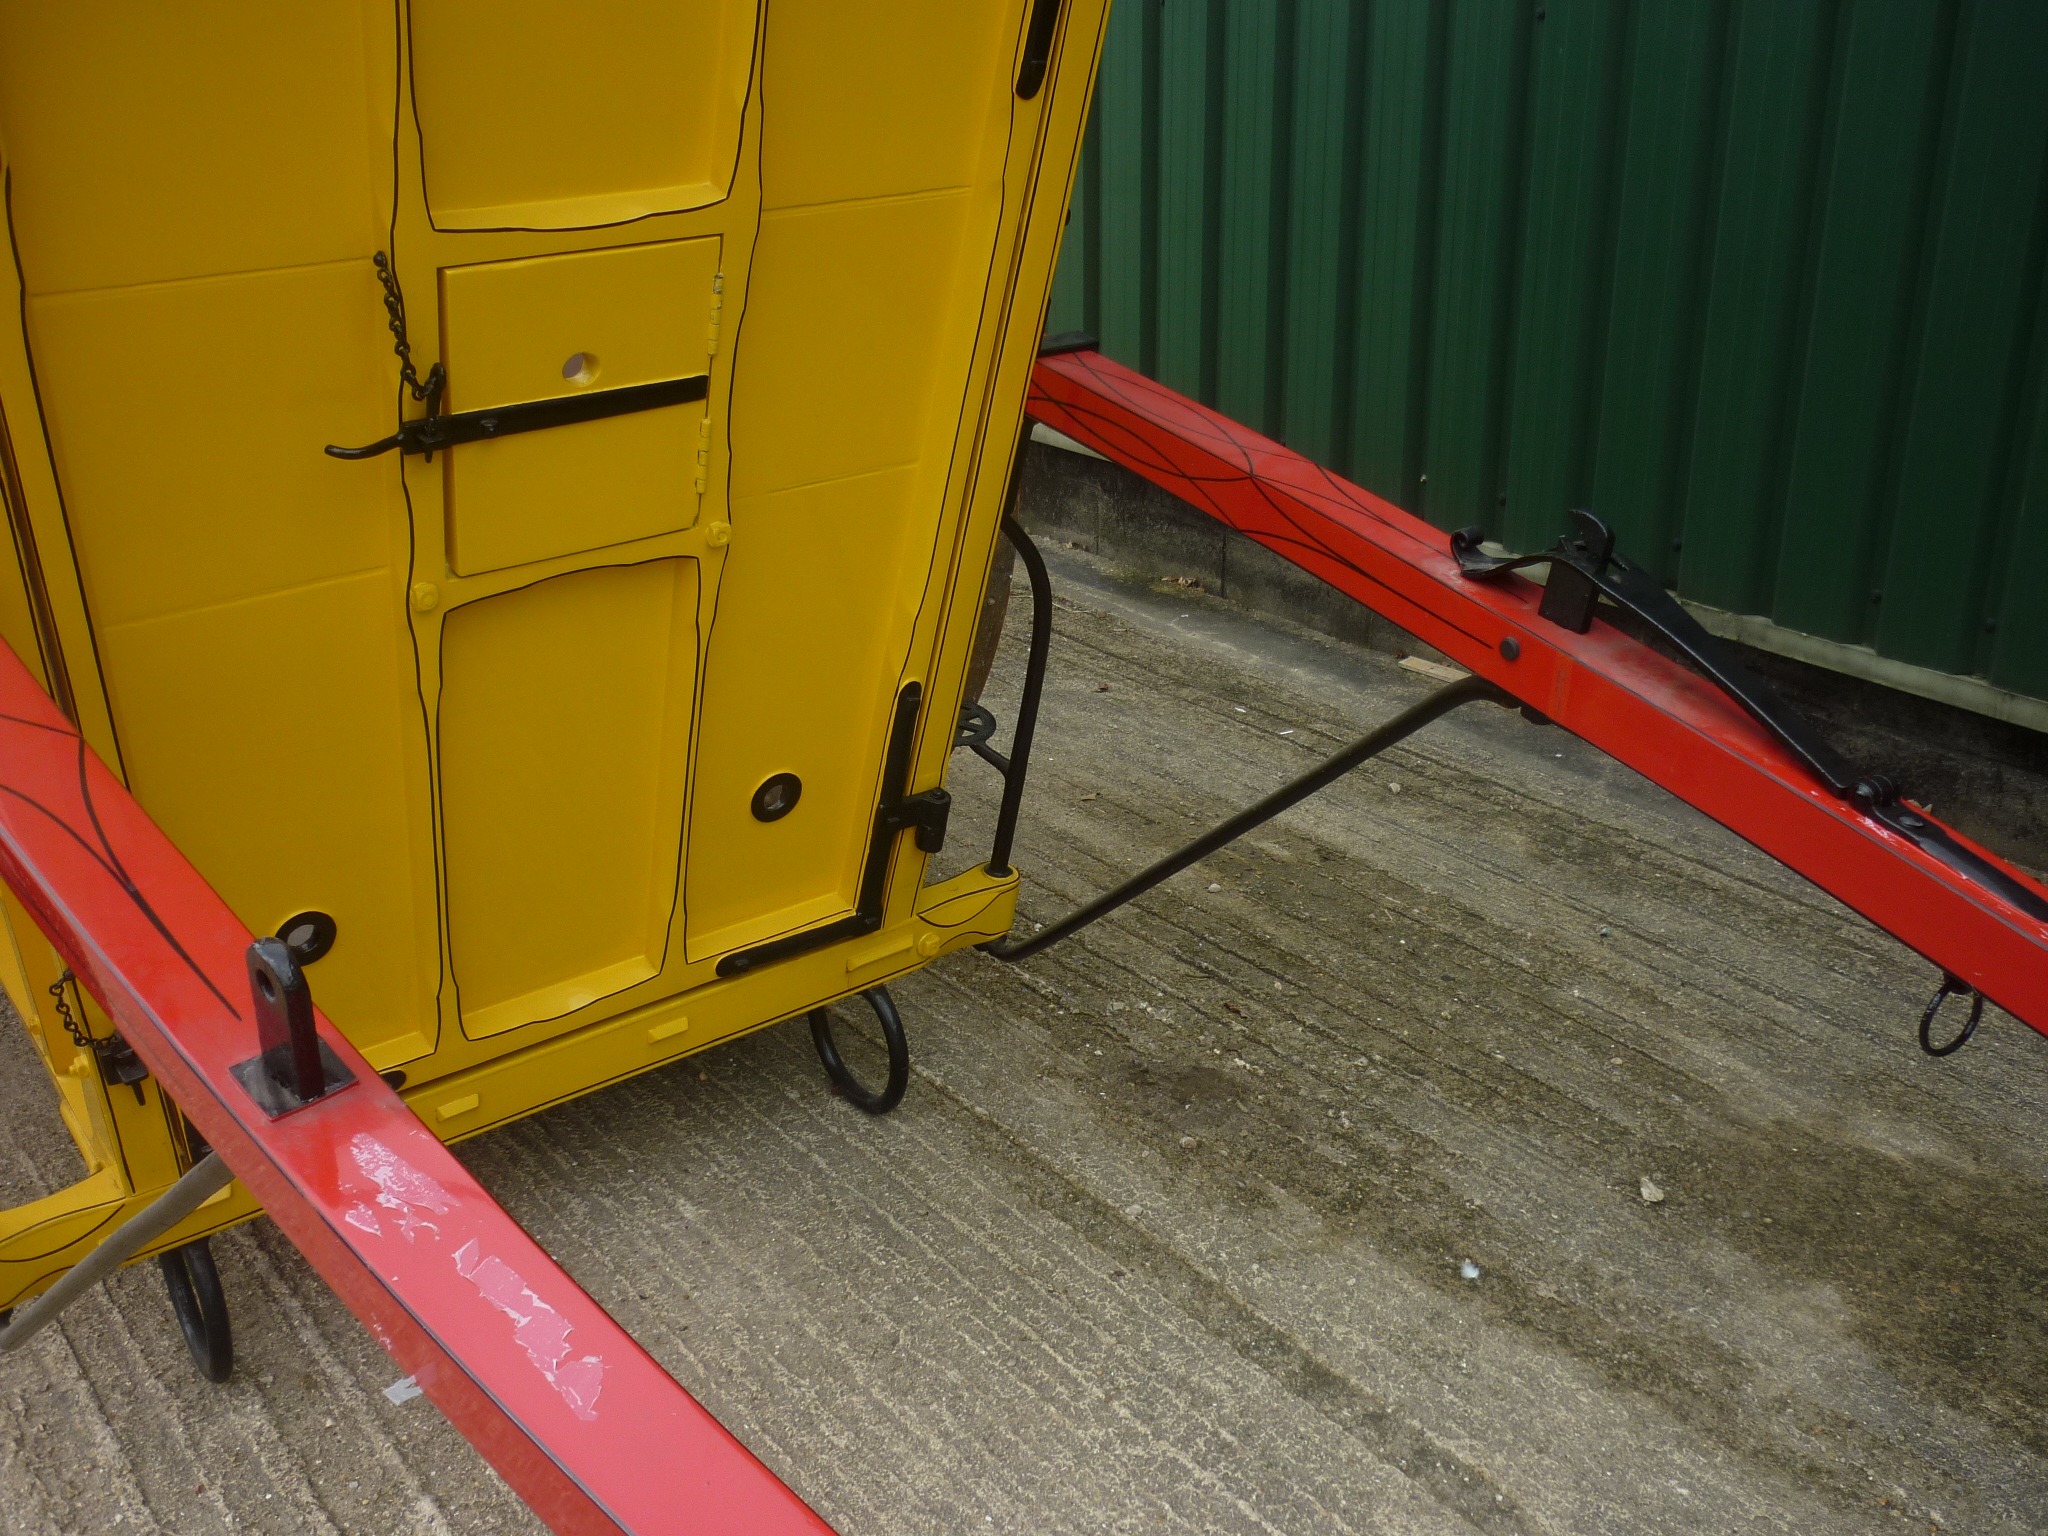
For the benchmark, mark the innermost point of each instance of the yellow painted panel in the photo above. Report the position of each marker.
(267, 738)
(17, 609)
(841, 340)
(632, 315)
(187, 422)
(256, 151)
(566, 116)
(855, 113)
(14, 976)
(564, 729)
(39, 968)
(841, 563)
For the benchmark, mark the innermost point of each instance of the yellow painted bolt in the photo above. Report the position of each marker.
(425, 595)
(928, 944)
(718, 535)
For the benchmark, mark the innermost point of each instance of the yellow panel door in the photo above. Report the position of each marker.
(556, 328)
(564, 727)
(556, 116)
(881, 181)
(529, 692)
(561, 633)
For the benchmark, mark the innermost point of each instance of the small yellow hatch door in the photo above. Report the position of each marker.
(559, 326)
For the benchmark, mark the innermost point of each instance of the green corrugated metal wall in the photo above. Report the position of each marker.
(1760, 281)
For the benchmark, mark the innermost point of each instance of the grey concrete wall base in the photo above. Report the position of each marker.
(1110, 512)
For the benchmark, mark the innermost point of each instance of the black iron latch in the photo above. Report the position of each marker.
(926, 812)
(428, 434)
(117, 1060)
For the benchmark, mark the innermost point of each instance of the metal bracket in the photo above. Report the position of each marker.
(927, 812)
(293, 1065)
(427, 434)
(120, 1064)
(1584, 568)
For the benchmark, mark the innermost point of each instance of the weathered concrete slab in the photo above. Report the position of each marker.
(1168, 1234)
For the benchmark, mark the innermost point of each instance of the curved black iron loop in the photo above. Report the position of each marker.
(1951, 986)
(850, 1087)
(975, 728)
(201, 1307)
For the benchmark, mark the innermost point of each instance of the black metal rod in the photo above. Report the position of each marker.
(1407, 723)
(1027, 706)
(425, 434)
(200, 1183)
(1014, 767)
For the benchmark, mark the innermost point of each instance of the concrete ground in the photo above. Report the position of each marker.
(1305, 1195)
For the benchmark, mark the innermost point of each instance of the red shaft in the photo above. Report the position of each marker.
(1651, 713)
(589, 1430)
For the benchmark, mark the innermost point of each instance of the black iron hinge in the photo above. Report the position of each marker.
(927, 812)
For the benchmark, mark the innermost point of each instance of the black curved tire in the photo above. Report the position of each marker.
(201, 1307)
(856, 1093)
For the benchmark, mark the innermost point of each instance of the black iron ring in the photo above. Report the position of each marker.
(1951, 986)
(201, 1307)
(850, 1087)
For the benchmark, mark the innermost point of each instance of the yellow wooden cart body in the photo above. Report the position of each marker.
(502, 713)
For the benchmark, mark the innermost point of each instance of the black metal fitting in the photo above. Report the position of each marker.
(293, 1066)
(117, 1060)
(976, 726)
(1573, 592)
(309, 935)
(927, 812)
(1951, 986)
(1584, 562)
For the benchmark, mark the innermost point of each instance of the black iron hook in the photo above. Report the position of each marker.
(1951, 986)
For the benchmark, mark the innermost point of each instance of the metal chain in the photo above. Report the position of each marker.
(428, 389)
(117, 1060)
(78, 1036)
